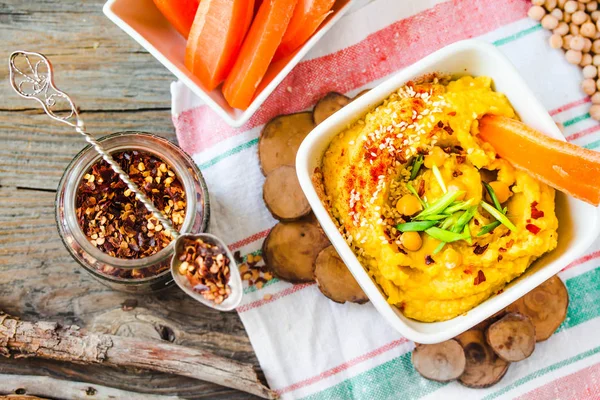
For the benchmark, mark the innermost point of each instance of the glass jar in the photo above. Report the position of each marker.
(94, 260)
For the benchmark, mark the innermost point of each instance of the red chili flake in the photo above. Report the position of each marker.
(533, 228)
(456, 173)
(528, 220)
(440, 124)
(460, 159)
(535, 213)
(459, 148)
(500, 257)
(449, 130)
(502, 250)
(479, 250)
(401, 306)
(479, 278)
(510, 243)
(452, 113)
(429, 260)
(421, 190)
(468, 270)
(476, 221)
(500, 291)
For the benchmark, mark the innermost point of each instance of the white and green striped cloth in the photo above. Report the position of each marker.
(312, 348)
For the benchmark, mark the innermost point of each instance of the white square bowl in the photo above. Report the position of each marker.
(579, 222)
(141, 20)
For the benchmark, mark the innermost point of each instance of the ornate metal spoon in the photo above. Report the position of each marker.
(32, 77)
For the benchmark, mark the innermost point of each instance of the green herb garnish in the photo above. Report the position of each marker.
(440, 204)
(499, 216)
(415, 226)
(467, 231)
(417, 163)
(436, 217)
(439, 248)
(444, 235)
(464, 219)
(412, 190)
(450, 221)
(492, 194)
(438, 175)
(459, 206)
(489, 228)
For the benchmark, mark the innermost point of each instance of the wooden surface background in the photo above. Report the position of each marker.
(118, 86)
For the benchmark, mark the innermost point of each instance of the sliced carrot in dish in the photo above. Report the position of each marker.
(307, 17)
(179, 13)
(258, 50)
(216, 38)
(562, 165)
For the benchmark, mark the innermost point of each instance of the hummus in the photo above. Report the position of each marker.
(365, 172)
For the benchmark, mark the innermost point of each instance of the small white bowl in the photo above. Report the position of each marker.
(579, 222)
(141, 20)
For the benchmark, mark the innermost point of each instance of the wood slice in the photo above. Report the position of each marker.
(291, 248)
(546, 305)
(280, 139)
(483, 367)
(328, 105)
(283, 195)
(512, 337)
(440, 362)
(335, 279)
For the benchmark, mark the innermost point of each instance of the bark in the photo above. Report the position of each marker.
(50, 340)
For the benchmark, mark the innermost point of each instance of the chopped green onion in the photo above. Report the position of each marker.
(461, 205)
(438, 175)
(417, 163)
(489, 228)
(416, 226)
(451, 220)
(504, 210)
(492, 194)
(467, 231)
(437, 217)
(464, 219)
(444, 235)
(499, 216)
(414, 192)
(441, 204)
(439, 248)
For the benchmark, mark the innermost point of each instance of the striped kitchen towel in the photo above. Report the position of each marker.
(312, 348)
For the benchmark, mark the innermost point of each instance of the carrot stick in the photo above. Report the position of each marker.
(562, 165)
(216, 38)
(257, 51)
(179, 13)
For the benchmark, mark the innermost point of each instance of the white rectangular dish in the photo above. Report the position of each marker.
(579, 222)
(141, 20)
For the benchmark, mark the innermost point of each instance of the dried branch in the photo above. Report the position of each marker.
(50, 340)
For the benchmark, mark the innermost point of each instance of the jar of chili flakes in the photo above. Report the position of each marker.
(108, 231)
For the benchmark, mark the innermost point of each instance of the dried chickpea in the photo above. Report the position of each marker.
(567, 42)
(595, 16)
(588, 86)
(451, 258)
(538, 2)
(571, 6)
(561, 3)
(596, 46)
(501, 190)
(598, 25)
(536, 13)
(580, 6)
(587, 46)
(595, 111)
(579, 17)
(557, 13)
(550, 4)
(590, 71)
(577, 43)
(411, 241)
(408, 205)
(567, 18)
(436, 156)
(562, 29)
(556, 41)
(586, 59)
(455, 186)
(574, 56)
(588, 29)
(598, 84)
(596, 60)
(549, 22)
(591, 6)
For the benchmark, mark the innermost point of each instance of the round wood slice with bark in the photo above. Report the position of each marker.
(440, 362)
(335, 280)
(283, 195)
(328, 105)
(512, 337)
(483, 367)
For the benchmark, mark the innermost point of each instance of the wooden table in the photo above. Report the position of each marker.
(119, 86)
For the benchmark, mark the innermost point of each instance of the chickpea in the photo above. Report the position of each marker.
(579, 17)
(455, 186)
(577, 43)
(536, 13)
(411, 241)
(586, 60)
(596, 60)
(596, 98)
(587, 45)
(590, 71)
(557, 13)
(549, 22)
(451, 258)
(436, 156)
(562, 29)
(588, 30)
(595, 16)
(574, 56)
(595, 111)
(571, 6)
(573, 29)
(567, 42)
(501, 190)
(538, 2)
(591, 6)
(556, 41)
(408, 205)
(588, 86)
